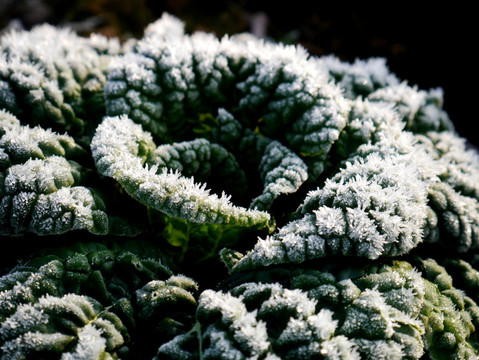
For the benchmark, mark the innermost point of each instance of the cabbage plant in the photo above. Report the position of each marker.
(184, 196)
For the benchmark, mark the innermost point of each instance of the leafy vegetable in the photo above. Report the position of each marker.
(309, 313)
(450, 316)
(120, 294)
(181, 196)
(53, 77)
(118, 148)
(42, 187)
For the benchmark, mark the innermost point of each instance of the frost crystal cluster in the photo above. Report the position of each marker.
(188, 197)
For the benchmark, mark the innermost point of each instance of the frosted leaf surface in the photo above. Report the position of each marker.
(53, 325)
(449, 314)
(90, 345)
(421, 110)
(370, 79)
(454, 201)
(228, 130)
(176, 292)
(166, 26)
(281, 171)
(130, 279)
(360, 78)
(203, 161)
(20, 143)
(118, 147)
(374, 206)
(53, 77)
(219, 140)
(42, 185)
(168, 85)
(301, 313)
(366, 122)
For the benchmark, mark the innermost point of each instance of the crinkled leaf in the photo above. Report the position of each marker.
(307, 314)
(119, 148)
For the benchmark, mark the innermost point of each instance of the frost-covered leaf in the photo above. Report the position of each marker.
(376, 205)
(365, 124)
(421, 110)
(455, 200)
(281, 171)
(450, 316)
(370, 79)
(20, 143)
(42, 187)
(465, 275)
(308, 314)
(337, 169)
(53, 77)
(166, 26)
(360, 78)
(120, 149)
(167, 84)
(203, 161)
(130, 278)
(74, 326)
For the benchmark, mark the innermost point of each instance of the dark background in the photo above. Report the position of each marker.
(428, 45)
